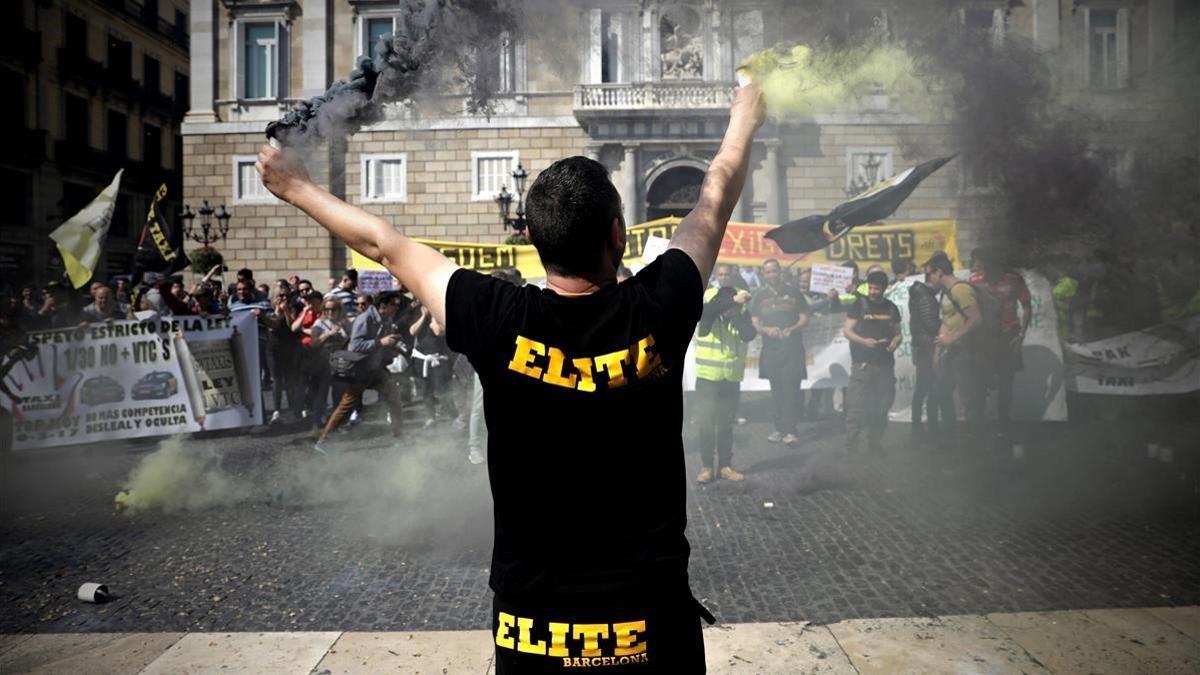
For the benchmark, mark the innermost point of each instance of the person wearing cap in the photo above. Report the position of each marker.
(954, 358)
(873, 329)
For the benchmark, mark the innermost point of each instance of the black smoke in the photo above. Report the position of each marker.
(439, 46)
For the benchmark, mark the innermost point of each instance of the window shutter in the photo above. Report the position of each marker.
(282, 44)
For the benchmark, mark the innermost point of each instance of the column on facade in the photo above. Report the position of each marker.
(1045, 24)
(630, 183)
(775, 191)
(202, 26)
(313, 57)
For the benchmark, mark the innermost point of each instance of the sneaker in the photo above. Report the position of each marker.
(276, 417)
(429, 421)
(475, 456)
(790, 439)
(775, 437)
(706, 475)
(730, 473)
(354, 418)
(323, 449)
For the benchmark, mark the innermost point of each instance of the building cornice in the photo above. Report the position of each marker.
(439, 124)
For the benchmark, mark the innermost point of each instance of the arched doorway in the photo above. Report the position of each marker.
(674, 192)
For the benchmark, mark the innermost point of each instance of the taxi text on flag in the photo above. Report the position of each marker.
(80, 240)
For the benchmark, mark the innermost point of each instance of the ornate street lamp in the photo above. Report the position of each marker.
(505, 198)
(207, 234)
(871, 165)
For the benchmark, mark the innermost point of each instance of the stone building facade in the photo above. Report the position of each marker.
(91, 86)
(641, 85)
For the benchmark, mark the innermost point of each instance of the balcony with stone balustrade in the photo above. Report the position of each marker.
(647, 98)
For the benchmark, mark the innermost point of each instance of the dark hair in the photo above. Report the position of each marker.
(384, 298)
(877, 278)
(769, 261)
(304, 281)
(571, 207)
(851, 265)
(352, 274)
(902, 266)
(246, 273)
(314, 297)
(941, 264)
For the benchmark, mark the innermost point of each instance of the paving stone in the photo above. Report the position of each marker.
(952, 644)
(1151, 640)
(1072, 642)
(909, 532)
(249, 653)
(1185, 619)
(410, 652)
(793, 647)
(93, 653)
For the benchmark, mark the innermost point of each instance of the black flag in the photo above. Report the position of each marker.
(813, 233)
(160, 248)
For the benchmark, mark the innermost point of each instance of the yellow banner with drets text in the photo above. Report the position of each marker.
(744, 244)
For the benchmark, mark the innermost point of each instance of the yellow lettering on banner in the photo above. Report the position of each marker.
(591, 634)
(525, 641)
(647, 361)
(584, 366)
(627, 644)
(554, 372)
(612, 364)
(523, 356)
(558, 639)
(503, 639)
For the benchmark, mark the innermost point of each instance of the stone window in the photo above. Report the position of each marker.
(385, 178)
(1107, 47)
(987, 19)
(118, 136)
(977, 175)
(259, 68)
(247, 186)
(371, 29)
(491, 171)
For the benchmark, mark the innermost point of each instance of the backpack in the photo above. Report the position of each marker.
(349, 366)
(986, 339)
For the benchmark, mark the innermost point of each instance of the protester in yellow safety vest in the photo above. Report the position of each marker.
(1064, 299)
(725, 328)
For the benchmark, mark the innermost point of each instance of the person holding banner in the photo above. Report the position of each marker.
(779, 313)
(873, 329)
(565, 371)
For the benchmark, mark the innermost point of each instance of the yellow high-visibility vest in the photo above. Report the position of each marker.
(720, 355)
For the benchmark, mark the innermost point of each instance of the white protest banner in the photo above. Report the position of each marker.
(827, 278)
(1162, 359)
(1038, 389)
(128, 379)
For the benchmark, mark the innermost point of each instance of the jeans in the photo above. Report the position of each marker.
(924, 402)
(957, 372)
(389, 391)
(787, 398)
(718, 404)
(869, 397)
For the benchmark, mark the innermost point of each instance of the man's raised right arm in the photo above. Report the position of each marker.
(701, 232)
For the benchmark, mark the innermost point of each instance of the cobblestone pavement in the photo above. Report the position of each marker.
(265, 535)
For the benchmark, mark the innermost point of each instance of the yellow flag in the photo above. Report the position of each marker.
(81, 239)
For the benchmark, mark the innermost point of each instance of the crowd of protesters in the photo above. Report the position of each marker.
(320, 352)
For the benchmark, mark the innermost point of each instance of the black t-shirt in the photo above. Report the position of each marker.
(584, 406)
(877, 320)
(780, 309)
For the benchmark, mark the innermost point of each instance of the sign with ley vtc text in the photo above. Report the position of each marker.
(129, 379)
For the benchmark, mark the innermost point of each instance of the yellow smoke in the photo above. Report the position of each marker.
(798, 80)
(175, 478)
